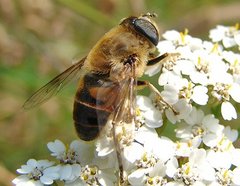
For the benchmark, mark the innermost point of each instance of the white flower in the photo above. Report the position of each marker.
(228, 111)
(163, 47)
(57, 148)
(234, 61)
(169, 76)
(235, 153)
(227, 177)
(228, 35)
(162, 143)
(105, 144)
(106, 162)
(147, 167)
(145, 135)
(218, 33)
(196, 93)
(223, 92)
(231, 134)
(196, 169)
(236, 176)
(145, 143)
(182, 39)
(131, 154)
(36, 173)
(222, 153)
(170, 94)
(224, 176)
(157, 175)
(182, 107)
(186, 90)
(69, 172)
(184, 149)
(137, 177)
(199, 95)
(200, 128)
(171, 167)
(152, 116)
(107, 177)
(151, 165)
(91, 175)
(78, 154)
(234, 91)
(219, 159)
(198, 67)
(124, 134)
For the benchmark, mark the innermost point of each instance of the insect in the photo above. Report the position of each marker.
(108, 78)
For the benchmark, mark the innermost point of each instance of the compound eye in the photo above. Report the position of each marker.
(147, 29)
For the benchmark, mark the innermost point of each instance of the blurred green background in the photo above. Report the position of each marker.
(41, 38)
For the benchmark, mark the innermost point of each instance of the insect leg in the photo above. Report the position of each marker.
(162, 58)
(117, 148)
(143, 84)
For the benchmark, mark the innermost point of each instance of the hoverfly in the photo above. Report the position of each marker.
(108, 79)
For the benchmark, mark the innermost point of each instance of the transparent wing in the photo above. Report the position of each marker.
(119, 99)
(125, 110)
(54, 86)
(124, 118)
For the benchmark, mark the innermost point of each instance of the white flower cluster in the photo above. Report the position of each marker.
(204, 78)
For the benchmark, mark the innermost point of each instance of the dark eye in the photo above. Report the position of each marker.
(147, 29)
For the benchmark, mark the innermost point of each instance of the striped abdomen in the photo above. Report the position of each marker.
(95, 100)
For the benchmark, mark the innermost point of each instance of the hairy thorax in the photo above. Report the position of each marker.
(112, 51)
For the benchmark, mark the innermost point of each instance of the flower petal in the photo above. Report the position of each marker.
(228, 111)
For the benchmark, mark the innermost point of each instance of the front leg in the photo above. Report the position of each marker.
(163, 58)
